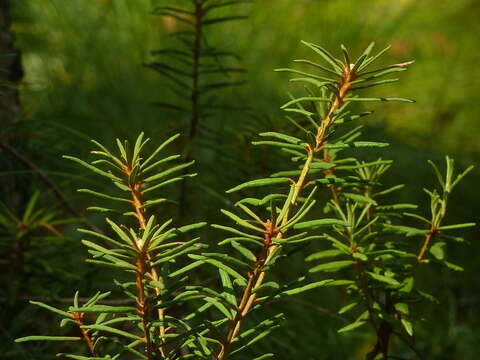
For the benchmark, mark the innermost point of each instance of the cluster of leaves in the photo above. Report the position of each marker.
(146, 252)
(369, 252)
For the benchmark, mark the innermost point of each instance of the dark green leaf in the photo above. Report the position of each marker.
(332, 266)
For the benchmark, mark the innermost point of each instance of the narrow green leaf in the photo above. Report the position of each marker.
(103, 309)
(352, 326)
(389, 190)
(51, 308)
(158, 149)
(307, 98)
(93, 168)
(139, 143)
(185, 269)
(324, 254)
(107, 153)
(241, 222)
(111, 330)
(259, 182)
(335, 63)
(461, 176)
(356, 144)
(286, 206)
(407, 230)
(396, 207)
(264, 356)
(407, 325)
(168, 171)
(359, 198)
(418, 217)
(340, 283)
(322, 165)
(307, 287)
(80, 357)
(30, 206)
(220, 265)
(452, 266)
(227, 284)
(216, 303)
(105, 196)
(357, 99)
(168, 182)
(287, 138)
(161, 161)
(279, 144)
(259, 202)
(102, 249)
(457, 226)
(317, 66)
(308, 114)
(332, 266)
(383, 278)
(237, 232)
(122, 234)
(48, 338)
(244, 251)
(313, 76)
(373, 58)
(437, 173)
(267, 285)
(318, 223)
(376, 83)
(347, 308)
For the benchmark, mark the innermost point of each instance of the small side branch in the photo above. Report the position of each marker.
(48, 182)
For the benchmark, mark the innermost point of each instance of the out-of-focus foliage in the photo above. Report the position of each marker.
(75, 52)
(85, 77)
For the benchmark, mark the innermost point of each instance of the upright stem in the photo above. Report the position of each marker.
(143, 307)
(255, 279)
(143, 269)
(257, 276)
(194, 99)
(435, 224)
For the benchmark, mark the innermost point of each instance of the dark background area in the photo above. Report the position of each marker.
(85, 76)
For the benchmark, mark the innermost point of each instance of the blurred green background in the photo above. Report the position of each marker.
(85, 76)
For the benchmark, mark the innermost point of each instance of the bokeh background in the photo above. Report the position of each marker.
(85, 76)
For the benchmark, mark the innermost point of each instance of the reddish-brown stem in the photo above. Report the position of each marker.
(143, 307)
(143, 270)
(325, 124)
(428, 240)
(87, 338)
(256, 277)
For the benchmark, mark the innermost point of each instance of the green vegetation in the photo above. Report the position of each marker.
(326, 251)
